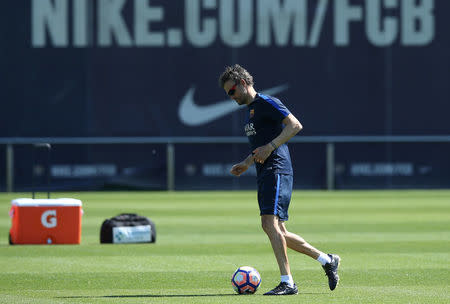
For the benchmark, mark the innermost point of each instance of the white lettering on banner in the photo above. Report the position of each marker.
(344, 13)
(271, 16)
(421, 14)
(111, 23)
(380, 31)
(382, 169)
(200, 33)
(52, 17)
(82, 171)
(318, 22)
(146, 14)
(243, 20)
(48, 219)
(263, 23)
(80, 23)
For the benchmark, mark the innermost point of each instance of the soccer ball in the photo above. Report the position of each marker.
(246, 280)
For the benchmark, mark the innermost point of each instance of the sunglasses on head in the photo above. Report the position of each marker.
(232, 90)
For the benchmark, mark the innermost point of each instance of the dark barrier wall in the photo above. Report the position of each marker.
(150, 68)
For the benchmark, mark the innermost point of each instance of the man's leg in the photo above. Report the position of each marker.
(272, 229)
(330, 262)
(278, 242)
(297, 243)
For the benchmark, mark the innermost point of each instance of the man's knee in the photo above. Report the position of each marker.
(284, 233)
(282, 228)
(268, 224)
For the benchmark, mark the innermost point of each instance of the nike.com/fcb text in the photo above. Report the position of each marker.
(264, 23)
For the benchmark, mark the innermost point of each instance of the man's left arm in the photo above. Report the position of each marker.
(292, 127)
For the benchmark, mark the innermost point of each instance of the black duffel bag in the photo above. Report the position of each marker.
(128, 228)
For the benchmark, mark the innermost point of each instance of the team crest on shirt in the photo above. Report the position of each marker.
(252, 113)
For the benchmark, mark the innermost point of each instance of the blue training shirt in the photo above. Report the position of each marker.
(265, 116)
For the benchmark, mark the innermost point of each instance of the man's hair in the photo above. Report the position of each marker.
(235, 73)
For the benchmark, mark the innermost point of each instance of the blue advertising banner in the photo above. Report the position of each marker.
(150, 68)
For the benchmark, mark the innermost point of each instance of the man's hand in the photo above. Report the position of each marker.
(238, 169)
(260, 154)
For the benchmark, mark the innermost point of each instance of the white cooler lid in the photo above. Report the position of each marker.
(45, 202)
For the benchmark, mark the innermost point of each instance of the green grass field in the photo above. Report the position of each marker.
(394, 245)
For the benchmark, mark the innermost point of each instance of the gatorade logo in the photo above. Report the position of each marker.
(48, 218)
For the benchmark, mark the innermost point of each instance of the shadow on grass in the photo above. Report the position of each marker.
(166, 296)
(150, 296)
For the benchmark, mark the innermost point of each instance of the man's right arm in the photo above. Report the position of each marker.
(241, 167)
(249, 160)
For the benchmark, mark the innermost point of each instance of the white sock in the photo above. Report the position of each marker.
(288, 279)
(324, 259)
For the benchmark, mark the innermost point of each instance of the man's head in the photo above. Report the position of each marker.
(238, 84)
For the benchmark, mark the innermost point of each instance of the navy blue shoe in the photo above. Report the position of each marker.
(282, 289)
(331, 270)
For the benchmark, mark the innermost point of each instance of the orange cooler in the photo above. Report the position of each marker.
(45, 221)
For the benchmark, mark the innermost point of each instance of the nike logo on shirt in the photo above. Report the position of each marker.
(193, 115)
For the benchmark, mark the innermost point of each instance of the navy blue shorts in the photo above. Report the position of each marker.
(274, 194)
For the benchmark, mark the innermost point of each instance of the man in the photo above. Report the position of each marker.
(268, 138)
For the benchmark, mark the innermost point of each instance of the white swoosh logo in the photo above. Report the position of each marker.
(192, 114)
